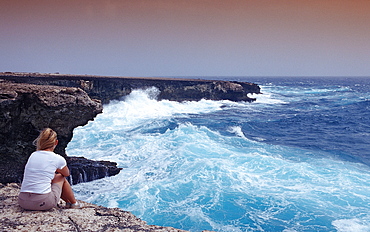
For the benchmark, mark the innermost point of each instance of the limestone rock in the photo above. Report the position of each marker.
(89, 218)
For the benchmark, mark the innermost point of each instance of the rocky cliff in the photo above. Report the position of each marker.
(89, 218)
(26, 109)
(108, 88)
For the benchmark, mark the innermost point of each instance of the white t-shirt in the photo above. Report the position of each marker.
(40, 170)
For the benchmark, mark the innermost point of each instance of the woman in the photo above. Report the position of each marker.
(44, 181)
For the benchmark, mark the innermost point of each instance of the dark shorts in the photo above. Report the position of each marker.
(35, 201)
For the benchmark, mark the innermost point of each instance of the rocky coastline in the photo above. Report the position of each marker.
(30, 102)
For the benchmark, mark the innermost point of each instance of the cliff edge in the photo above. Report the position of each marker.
(26, 109)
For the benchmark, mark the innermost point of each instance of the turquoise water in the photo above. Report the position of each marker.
(297, 159)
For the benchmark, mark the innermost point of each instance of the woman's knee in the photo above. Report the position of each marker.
(58, 179)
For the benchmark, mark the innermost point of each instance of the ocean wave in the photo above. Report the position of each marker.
(201, 165)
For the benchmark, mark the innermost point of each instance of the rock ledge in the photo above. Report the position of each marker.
(90, 218)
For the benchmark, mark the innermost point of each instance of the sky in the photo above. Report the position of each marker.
(147, 38)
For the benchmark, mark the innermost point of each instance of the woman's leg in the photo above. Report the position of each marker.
(67, 192)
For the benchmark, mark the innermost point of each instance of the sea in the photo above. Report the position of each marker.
(296, 159)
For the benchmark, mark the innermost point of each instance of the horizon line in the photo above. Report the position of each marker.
(182, 76)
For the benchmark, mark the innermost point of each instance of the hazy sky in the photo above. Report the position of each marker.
(186, 37)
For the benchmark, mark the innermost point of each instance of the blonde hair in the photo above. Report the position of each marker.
(46, 139)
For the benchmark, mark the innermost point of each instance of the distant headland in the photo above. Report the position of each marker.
(106, 88)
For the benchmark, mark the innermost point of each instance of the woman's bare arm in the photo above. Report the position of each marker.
(64, 171)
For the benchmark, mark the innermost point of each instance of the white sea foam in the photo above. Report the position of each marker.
(269, 98)
(351, 225)
(237, 130)
(141, 105)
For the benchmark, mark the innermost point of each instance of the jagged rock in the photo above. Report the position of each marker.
(26, 109)
(84, 170)
(195, 90)
(89, 218)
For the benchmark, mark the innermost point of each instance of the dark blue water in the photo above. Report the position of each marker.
(326, 114)
(297, 159)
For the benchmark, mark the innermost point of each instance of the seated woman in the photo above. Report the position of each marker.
(44, 181)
